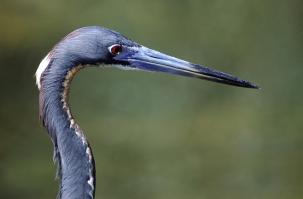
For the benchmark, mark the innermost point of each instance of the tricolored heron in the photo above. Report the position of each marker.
(96, 46)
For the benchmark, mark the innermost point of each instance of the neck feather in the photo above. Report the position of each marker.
(76, 168)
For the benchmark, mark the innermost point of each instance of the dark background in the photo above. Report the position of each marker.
(157, 135)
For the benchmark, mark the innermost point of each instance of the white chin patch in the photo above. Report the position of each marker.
(124, 67)
(42, 66)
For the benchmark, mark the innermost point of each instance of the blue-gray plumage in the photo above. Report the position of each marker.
(85, 47)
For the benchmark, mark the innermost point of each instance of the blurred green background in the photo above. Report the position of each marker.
(157, 135)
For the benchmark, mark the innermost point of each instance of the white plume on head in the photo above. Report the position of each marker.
(41, 68)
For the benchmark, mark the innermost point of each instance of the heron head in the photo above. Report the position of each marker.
(122, 52)
(99, 46)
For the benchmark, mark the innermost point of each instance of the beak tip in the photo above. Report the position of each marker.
(252, 85)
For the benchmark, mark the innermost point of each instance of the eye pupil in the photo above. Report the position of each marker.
(116, 49)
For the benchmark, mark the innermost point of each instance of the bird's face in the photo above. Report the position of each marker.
(135, 56)
(93, 45)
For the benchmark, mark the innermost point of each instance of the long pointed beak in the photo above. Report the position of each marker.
(150, 60)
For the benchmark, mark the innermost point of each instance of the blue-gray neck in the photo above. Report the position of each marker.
(76, 168)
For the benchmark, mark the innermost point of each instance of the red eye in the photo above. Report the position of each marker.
(115, 49)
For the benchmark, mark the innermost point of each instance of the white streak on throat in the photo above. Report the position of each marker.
(73, 125)
(41, 68)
